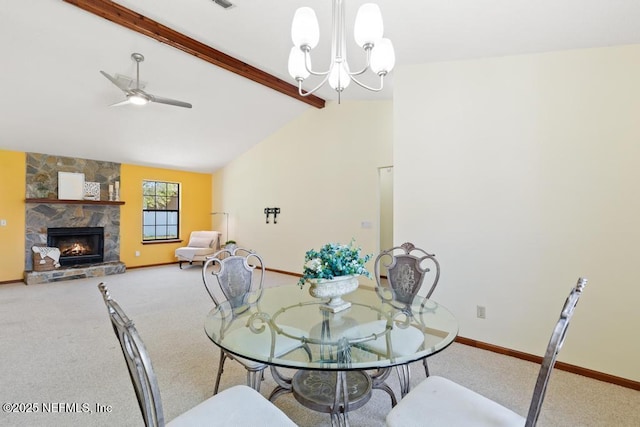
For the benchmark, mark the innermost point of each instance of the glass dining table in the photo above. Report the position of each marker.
(338, 357)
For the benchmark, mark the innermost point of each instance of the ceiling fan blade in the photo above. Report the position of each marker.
(168, 101)
(115, 82)
(117, 104)
(136, 95)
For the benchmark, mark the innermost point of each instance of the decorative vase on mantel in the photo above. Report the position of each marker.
(41, 192)
(333, 289)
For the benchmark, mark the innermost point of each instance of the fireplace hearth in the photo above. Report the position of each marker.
(77, 245)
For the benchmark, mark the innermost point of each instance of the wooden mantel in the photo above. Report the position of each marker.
(74, 202)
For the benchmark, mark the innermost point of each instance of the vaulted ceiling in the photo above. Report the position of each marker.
(54, 100)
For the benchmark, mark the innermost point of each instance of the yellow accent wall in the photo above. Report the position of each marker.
(12, 194)
(195, 212)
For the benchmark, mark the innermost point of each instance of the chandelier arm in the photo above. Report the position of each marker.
(369, 87)
(307, 61)
(366, 67)
(359, 72)
(324, 80)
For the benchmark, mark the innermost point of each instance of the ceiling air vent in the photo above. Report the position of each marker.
(224, 3)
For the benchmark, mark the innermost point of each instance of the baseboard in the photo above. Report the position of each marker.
(600, 376)
(151, 265)
(6, 282)
(288, 273)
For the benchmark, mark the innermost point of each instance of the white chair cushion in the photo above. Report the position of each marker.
(191, 254)
(437, 401)
(248, 364)
(403, 341)
(236, 406)
(247, 342)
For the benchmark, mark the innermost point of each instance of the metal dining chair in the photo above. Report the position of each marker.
(437, 401)
(408, 270)
(236, 276)
(239, 405)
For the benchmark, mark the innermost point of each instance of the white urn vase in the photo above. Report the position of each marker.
(333, 289)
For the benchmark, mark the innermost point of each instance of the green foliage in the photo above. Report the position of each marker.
(160, 195)
(334, 260)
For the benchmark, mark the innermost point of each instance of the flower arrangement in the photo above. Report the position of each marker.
(333, 260)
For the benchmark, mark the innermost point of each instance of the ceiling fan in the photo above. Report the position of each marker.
(136, 95)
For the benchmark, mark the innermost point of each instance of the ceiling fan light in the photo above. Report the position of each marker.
(305, 29)
(383, 57)
(368, 28)
(339, 76)
(297, 68)
(138, 100)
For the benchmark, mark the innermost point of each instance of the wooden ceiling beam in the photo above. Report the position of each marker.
(143, 25)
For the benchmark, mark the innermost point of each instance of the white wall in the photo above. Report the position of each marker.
(321, 170)
(521, 174)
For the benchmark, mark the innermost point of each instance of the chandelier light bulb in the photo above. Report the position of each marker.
(368, 28)
(339, 76)
(383, 58)
(297, 68)
(305, 29)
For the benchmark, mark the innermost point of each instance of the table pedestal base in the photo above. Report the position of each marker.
(335, 393)
(325, 391)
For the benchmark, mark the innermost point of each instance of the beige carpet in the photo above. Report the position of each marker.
(58, 347)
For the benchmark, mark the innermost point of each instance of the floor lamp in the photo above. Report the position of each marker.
(226, 219)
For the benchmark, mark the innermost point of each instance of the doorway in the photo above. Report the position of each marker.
(385, 184)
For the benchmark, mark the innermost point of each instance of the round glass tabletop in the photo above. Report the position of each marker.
(285, 326)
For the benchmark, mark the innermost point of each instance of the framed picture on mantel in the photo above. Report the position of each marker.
(70, 185)
(91, 191)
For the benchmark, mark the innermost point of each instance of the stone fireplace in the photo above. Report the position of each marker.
(45, 212)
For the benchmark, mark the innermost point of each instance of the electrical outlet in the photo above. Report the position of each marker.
(481, 312)
(3, 222)
(137, 253)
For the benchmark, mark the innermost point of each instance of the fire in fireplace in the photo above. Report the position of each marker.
(77, 245)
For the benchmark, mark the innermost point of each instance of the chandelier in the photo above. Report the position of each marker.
(368, 30)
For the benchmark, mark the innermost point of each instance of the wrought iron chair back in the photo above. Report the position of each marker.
(553, 348)
(233, 271)
(407, 268)
(138, 362)
(229, 276)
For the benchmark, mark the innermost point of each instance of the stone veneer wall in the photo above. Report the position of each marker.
(42, 182)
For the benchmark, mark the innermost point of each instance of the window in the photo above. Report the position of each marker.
(160, 210)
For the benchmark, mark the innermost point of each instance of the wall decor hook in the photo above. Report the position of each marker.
(274, 211)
